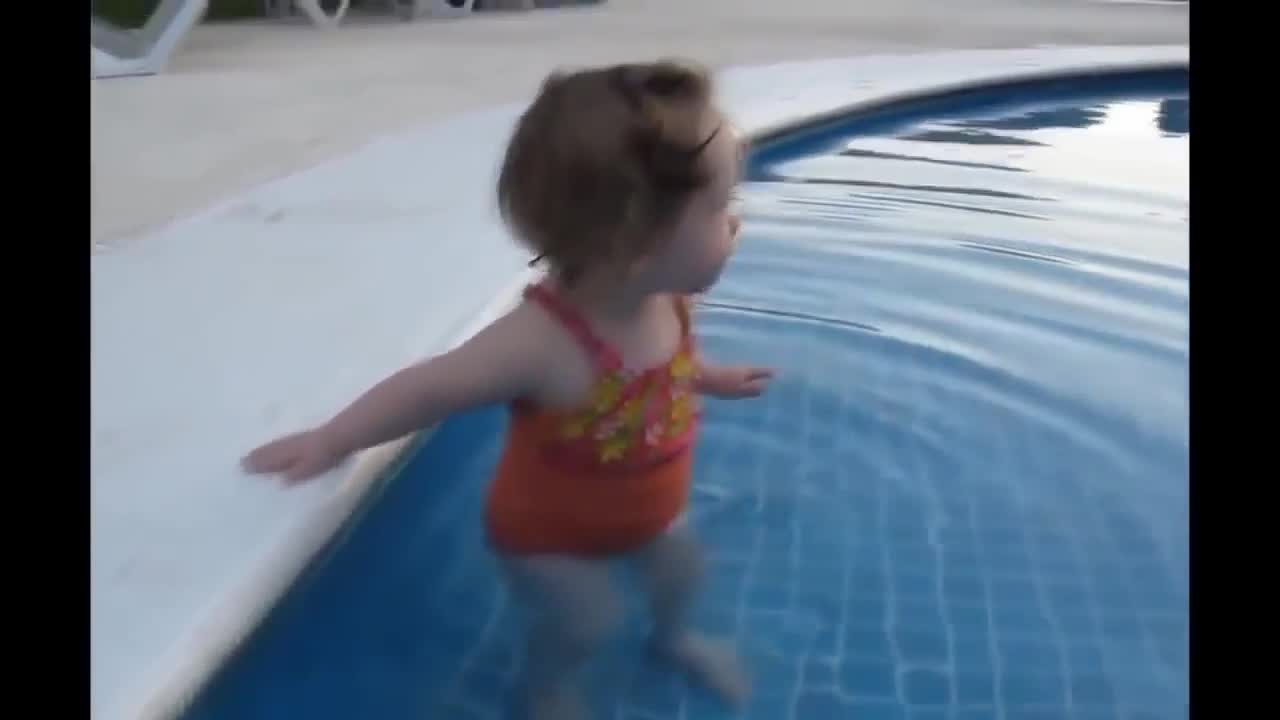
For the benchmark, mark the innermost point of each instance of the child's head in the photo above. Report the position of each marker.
(625, 170)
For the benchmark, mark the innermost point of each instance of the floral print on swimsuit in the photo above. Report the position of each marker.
(631, 417)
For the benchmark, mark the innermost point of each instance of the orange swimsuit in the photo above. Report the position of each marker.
(607, 477)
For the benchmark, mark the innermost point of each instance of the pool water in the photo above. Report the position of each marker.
(964, 497)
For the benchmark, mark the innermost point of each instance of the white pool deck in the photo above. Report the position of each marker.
(269, 310)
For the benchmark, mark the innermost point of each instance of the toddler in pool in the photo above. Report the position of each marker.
(620, 179)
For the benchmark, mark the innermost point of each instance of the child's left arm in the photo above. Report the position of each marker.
(732, 381)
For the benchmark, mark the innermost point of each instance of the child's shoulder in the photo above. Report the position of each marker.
(546, 350)
(524, 328)
(532, 333)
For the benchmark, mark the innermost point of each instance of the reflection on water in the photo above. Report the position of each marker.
(1111, 151)
(1065, 117)
(942, 189)
(978, 131)
(856, 152)
(971, 136)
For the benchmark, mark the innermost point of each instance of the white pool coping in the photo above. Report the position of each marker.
(200, 350)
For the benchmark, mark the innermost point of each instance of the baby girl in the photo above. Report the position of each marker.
(621, 181)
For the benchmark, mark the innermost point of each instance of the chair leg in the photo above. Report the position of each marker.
(276, 8)
(414, 9)
(318, 16)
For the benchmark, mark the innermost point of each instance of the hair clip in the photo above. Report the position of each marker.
(703, 145)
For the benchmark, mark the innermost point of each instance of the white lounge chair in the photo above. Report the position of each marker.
(314, 11)
(407, 9)
(119, 52)
(412, 9)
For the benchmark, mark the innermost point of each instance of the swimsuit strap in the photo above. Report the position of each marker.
(684, 311)
(600, 352)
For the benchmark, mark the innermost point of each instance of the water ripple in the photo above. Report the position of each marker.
(943, 189)
(1005, 461)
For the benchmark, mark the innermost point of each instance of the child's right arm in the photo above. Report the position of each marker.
(497, 364)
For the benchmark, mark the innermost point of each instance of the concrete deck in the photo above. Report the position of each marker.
(245, 103)
(281, 301)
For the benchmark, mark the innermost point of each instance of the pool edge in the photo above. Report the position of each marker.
(240, 613)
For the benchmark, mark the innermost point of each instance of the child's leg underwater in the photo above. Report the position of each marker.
(574, 607)
(673, 567)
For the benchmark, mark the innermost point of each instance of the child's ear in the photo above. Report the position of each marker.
(639, 265)
(641, 262)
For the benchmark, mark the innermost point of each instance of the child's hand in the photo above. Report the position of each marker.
(297, 457)
(734, 382)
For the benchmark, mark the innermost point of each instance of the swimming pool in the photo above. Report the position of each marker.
(964, 497)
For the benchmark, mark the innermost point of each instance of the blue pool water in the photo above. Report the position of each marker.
(965, 496)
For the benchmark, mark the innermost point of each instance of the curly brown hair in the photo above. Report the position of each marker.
(603, 160)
